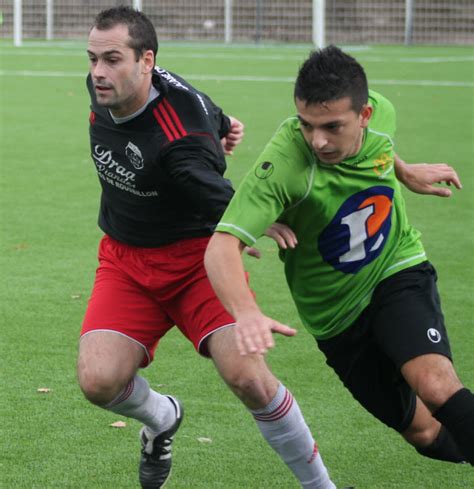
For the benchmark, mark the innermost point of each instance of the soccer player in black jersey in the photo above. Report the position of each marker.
(158, 145)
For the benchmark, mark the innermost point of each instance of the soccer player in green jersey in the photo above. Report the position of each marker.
(356, 269)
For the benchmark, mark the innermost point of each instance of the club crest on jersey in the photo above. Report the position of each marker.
(134, 155)
(358, 232)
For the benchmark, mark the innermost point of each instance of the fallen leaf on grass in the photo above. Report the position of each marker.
(204, 440)
(118, 424)
(20, 246)
(43, 390)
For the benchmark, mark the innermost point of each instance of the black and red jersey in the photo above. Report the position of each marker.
(162, 171)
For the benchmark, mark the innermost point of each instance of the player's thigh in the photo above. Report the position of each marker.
(119, 305)
(196, 310)
(107, 359)
(407, 318)
(371, 377)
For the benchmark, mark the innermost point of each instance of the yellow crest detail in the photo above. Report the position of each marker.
(382, 162)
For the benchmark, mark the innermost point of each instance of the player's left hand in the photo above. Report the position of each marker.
(422, 178)
(282, 234)
(233, 137)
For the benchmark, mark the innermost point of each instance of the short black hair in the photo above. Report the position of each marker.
(330, 74)
(140, 28)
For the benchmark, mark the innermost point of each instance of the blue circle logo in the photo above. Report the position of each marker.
(358, 232)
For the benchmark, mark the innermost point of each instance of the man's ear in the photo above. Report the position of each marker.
(148, 61)
(365, 115)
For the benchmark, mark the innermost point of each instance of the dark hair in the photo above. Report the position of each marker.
(330, 74)
(140, 29)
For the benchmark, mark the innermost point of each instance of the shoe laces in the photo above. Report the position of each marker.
(156, 447)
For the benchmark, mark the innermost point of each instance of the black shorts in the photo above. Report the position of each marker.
(402, 321)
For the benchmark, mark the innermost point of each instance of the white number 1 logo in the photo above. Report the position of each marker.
(357, 223)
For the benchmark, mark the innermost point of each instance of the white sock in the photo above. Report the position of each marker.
(283, 426)
(138, 401)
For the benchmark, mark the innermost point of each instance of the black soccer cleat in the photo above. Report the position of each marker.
(155, 462)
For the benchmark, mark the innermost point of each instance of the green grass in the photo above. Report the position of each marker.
(48, 212)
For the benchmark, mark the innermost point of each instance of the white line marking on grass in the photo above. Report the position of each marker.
(65, 54)
(171, 54)
(42, 74)
(243, 78)
(439, 59)
(249, 57)
(186, 45)
(424, 83)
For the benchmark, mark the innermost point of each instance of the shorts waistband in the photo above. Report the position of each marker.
(183, 244)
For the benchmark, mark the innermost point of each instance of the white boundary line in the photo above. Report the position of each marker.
(258, 79)
(253, 56)
(75, 44)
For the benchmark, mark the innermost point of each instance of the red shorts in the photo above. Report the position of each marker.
(143, 292)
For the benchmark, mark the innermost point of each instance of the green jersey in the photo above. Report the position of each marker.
(349, 219)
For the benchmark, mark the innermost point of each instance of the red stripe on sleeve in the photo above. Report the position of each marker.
(168, 120)
(175, 117)
(163, 125)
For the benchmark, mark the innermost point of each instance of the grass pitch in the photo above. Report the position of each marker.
(49, 201)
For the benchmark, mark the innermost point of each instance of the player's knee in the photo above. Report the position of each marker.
(97, 387)
(433, 378)
(435, 388)
(241, 382)
(251, 388)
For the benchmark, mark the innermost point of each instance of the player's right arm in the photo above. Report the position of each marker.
(421, 178)
(253, 330)
(278, 180)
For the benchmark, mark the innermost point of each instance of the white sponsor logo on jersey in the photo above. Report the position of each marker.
(107, 165)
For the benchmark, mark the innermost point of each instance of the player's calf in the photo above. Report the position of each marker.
(442, 448)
